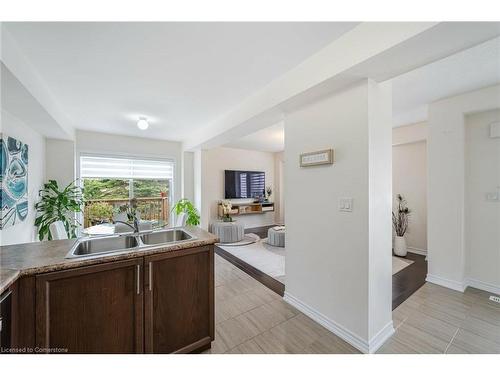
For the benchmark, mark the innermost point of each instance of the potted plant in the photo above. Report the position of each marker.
(400, 225)
(269, 192)
(185, 205)
(226, 211)
(58, 205)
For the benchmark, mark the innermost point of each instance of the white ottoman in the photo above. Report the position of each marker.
(229, 231)
(276, 236)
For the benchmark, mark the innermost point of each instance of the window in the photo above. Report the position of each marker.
(110, 182)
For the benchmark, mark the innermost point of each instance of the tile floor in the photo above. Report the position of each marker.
(250, 318)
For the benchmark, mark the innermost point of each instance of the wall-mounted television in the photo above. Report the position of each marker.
(244, 184)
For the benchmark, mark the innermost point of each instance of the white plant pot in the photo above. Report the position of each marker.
(400, 246)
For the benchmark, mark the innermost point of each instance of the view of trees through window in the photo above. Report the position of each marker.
(105, 196)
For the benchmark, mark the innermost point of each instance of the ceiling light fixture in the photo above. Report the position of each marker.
(142, 123)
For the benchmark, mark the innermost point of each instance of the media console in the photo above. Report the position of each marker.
(248, 208)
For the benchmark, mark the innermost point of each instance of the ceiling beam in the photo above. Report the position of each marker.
(31, 84)
(378, 51)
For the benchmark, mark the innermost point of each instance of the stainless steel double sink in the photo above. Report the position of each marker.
(127, 242)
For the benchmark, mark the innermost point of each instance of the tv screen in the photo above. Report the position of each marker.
(244, 184)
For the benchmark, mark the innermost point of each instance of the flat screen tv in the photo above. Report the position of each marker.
(244, 184)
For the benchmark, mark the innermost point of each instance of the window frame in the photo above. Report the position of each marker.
(171, 190)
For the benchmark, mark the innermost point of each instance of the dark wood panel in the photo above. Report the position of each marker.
(409, 279)
(23, 314)
(95, 309)
(179, 301)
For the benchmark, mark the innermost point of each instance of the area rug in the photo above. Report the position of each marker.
(399, 263)
(266, 258)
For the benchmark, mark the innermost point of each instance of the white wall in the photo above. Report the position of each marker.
(338, 266)
(25, 231)
(446, 187)
(279, 188)
(482, 217)
(188, 175)
(213, 162)
(409, 178)
(109, 144)
(60, 162)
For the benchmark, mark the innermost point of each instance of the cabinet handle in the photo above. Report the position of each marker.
(150, 276)
(138, 281)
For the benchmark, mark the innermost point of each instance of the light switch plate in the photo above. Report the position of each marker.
(493, 197)
(345, 204)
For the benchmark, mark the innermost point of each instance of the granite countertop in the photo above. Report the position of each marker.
(40, 257)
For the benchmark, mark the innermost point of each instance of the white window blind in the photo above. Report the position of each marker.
(116, 167)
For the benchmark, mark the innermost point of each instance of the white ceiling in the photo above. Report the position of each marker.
(468, 70)
(19, 102)
(271, 139)
(181, 76)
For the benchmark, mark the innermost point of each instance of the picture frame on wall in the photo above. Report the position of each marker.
(13, 181)
(322, 157)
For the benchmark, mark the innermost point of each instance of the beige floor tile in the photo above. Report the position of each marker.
(285, 308)
(482, 328)
(393, 346)
(264, 293)
(299, 331)
(265, 317)
(468, 342)
(419, 341)
(234, 306)
(235, 331)
(442, 312)
(330, 344)
(431, 325)
(273, 344)
(487, 313)
(248, 347)
(253, 319)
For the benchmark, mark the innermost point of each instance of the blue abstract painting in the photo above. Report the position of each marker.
(13, 181)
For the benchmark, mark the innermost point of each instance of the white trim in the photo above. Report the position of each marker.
(364, 346)
(381, 337)
(491, 288)
(416, 250)
(447, 283)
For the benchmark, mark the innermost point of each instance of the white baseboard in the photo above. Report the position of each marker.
(363, 345)
(416, 250)
(381, 337)
(447, 283)
(461, 286)
(491, 288)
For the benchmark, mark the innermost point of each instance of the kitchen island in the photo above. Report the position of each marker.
(151, 299)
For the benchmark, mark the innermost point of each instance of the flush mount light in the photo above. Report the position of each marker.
(142, 123)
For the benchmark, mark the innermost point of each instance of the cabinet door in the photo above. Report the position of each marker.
(179, 301)
(95, 309)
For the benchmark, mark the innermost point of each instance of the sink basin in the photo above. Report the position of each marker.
(124, 242)
(102, 245)
(165, 236)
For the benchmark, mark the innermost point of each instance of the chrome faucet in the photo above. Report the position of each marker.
(135, 227)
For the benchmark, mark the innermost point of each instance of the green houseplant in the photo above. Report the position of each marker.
(185, 205)
(55, 205)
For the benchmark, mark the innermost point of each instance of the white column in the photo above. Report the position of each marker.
(338, 266)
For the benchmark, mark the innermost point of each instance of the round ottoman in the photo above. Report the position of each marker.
(276, 236)
(229, 231)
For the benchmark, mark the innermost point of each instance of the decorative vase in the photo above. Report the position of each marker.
(400, 246)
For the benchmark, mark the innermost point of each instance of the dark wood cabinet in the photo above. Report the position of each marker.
(94, 309)
(162, 303)
(179, 301)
